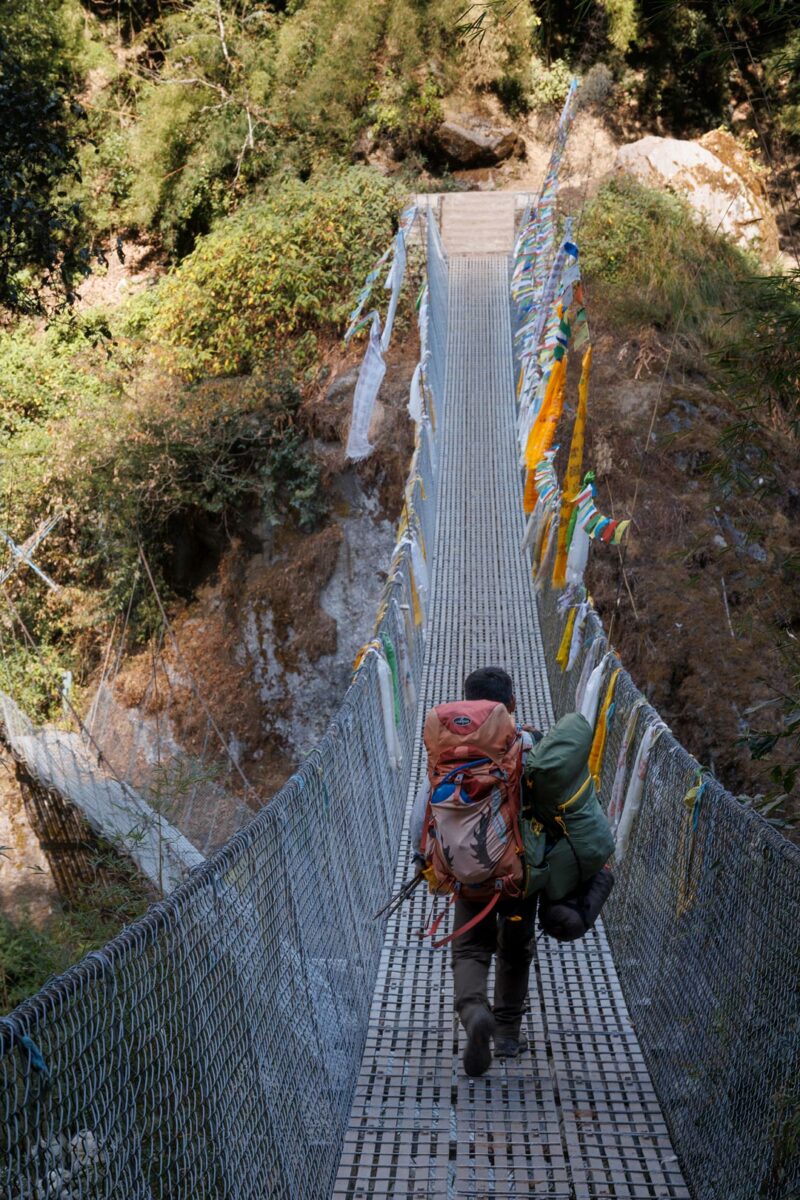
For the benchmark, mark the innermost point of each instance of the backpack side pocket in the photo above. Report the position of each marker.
(536, 869)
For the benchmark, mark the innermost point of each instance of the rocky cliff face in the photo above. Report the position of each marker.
(267, 646)
(301, 669)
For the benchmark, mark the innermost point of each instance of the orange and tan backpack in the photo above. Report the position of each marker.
(471, 840)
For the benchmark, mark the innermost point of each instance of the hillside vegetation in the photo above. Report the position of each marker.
(138, 426)
(161, 116)
(253, 159)
(706, 609)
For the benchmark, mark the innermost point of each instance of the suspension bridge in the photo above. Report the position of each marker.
(256, 1034)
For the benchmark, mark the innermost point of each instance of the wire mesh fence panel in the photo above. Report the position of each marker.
(211, 1049)
(194, 792)
(65, 763)
(438, 307)
(704, 923)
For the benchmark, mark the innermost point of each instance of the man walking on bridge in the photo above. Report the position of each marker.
(505, 927)
(499, 821)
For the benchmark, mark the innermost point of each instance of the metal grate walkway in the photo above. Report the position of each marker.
(577, 1117)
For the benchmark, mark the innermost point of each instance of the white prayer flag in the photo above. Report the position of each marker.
(395, 282)
(370, 377)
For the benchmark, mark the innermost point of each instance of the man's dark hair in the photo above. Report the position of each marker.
(489, 683)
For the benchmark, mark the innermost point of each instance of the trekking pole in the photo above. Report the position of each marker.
(399, 897)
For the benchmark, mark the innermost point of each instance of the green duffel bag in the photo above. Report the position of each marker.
(561, 797)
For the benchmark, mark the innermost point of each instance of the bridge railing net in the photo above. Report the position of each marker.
(704, 923)
(211, 1049)
(438, 310)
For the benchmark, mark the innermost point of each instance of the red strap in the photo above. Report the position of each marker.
(462, 928)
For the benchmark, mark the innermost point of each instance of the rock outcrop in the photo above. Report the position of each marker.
(471, 142)
(717, 178)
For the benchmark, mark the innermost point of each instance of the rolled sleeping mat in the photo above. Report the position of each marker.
(569, 919)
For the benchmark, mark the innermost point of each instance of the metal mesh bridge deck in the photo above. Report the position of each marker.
(576, 1117)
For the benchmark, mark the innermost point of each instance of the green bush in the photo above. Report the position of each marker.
(655, 263)
(783, 81)
(41, 125)
(30, 955)
(283, 267)
(406, 112)
(759, 374)
(205, 131)
(171, 468)
(622, 23)
(766, 359)
(108, 176)
(549, 85)
(34, 677)
(325, 67)
(94, 428)
(45, 377)
(185, 157)
(513, 91)
(684, 65)
(28, 958)
(107, 152)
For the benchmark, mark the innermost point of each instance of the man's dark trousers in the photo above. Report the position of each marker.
(510, 932)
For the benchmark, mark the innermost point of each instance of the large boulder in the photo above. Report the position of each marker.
(471, 142)
(716, 177)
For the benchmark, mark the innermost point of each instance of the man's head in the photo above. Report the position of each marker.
(490, 683)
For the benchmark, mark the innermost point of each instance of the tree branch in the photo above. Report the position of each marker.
(221, 27)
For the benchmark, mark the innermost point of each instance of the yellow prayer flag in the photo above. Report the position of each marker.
(620, 532)
(530, 495)
(381, 613)
(544, 427)
(415, 602)
(362, 652)
(572, 479)
(600, 733)
(541, 544)
(563, 650)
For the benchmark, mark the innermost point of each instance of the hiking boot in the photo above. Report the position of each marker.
(479, 1025)
(509, 1046)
